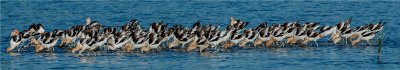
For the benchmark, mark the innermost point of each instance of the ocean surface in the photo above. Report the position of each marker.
(64, 14)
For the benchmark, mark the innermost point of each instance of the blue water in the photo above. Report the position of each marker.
(62, 15)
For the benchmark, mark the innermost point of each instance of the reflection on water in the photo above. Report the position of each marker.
(14, 54)
(88, 59)
(280, 52)
(205, 53)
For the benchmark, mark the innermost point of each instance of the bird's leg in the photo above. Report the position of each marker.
(80, 51)
(18, 49)
(27, 44)
(215, 47)
(329, 38)
(52, 49)
(87, 52)
(354, 42)
(183, 45)
(48, 49)
(158, 48)
(94, 53)
(369, 42)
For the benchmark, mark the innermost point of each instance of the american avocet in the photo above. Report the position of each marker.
(15, 32)
(370, 27)
(277, 37)
(40, 28)
(262, 36)
(88, 21)
(14, 42)
(346, 34)
(137, 42)
(238, 24)
(47, 42)
(357, 31)
(312, 25)
(250, 36)
(272, 30)
(83, 45)
(185, 39)
(199, 41)
(99, 40)
(154, 41)
(131, 36)
(26, 35)
(214, 39)
(288, 29)
(365, 36)
(377, 27)
(177, 33)
(326, 30)
(157, 27)
(300, 35)
(341, 26)
(193, 44)
(234, 39)
(118, 41)
(202, 44)
(181, 37)
(36, 28)
(290, 35)
(67, 38)
(311, 36)
(344, 24)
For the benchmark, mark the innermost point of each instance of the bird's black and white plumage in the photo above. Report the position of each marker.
(14, 42)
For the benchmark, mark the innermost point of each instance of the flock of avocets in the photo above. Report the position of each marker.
(131, 37)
